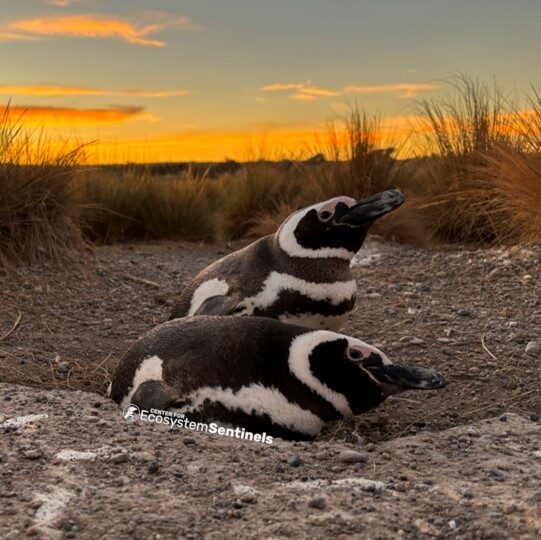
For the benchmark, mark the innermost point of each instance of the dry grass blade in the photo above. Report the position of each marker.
(486, 349)
(14, 327)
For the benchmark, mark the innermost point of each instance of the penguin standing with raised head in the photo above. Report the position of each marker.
(259, 374)
(300, 275)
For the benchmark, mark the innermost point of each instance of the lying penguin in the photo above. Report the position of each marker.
(259, 374)
(300, 274)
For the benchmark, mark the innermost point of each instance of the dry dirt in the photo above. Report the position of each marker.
(448, 465)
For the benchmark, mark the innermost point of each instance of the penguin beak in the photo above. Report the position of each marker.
(407, 377)
(366, 211)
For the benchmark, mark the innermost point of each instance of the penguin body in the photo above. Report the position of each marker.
(300, 275)
(259, 374)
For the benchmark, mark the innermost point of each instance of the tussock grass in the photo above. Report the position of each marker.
(506, 193)
(131, 207)
(477, 179)
(243, 199)
(361, 161)
(483, 164)
(38, 201)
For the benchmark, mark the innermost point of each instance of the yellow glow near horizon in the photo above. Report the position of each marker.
(65, 128)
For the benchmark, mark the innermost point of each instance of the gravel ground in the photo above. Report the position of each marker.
(475, 316)
(72, 467)
(469, 314)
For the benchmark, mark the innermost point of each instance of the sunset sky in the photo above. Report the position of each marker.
(178, 80)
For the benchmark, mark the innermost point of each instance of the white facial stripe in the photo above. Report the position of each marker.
(299, 364)
(331, 204)
(288, 242)
(207, 289)
(259, 399)
(149, 370)
(332, 292)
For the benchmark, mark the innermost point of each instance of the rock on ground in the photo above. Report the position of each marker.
(72, 467)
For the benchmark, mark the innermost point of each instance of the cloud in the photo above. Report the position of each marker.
(310, 92)
(59, 90)
(276, 87)
(303, 91)
(318, 92)
(62, 3)
(405, 90)
(15, 36)
(302, 97)
(99, 26)
(31, 114)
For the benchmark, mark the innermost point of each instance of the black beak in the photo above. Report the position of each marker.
(407, 377)
(366, 211)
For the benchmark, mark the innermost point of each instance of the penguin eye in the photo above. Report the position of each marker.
(355, 355)
(325, 215)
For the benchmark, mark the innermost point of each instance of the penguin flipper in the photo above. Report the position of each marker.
(217, 305)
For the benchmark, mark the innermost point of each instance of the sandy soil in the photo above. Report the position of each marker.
(469, 314)
(72, 467)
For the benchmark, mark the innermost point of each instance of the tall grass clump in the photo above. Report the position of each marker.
(506, 194)
(360, 162)
(467, 132)
(38, 201)
(258, 193)
(127, 206)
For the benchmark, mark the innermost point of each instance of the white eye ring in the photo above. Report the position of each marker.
(325, 215)
(355, 354)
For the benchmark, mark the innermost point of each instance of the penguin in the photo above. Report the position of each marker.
(300, 275)
(259, 374)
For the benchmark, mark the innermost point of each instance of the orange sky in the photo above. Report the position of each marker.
(164, 80)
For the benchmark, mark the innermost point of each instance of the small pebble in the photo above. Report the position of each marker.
(533, 348)
(188, 441)
(402, 487)
(534, 417)
(509, 508)
(317, 502)
(64, 367)
(248, 498)
(153, 466)
(351, 456)
(33, 454)
(503, 418)
(295, 460)
(119, 458)
(464, 312)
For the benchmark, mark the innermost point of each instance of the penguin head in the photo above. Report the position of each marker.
(351, 375)
(335, 228)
